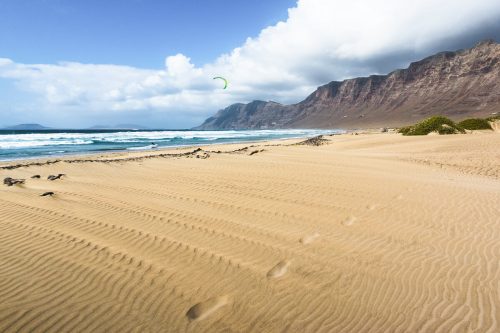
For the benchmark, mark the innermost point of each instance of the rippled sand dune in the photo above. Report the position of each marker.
(368, 233)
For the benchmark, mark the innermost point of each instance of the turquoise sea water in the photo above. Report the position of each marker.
(47, 143)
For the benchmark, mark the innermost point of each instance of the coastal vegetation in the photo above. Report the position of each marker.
(439, 124)
(475, 124)
(443, 125)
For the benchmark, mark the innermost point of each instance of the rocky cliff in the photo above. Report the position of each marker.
(465, 83)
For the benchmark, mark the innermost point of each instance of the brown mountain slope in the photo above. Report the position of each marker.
(457, 84)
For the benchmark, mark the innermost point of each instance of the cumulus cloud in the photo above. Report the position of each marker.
(322, 40)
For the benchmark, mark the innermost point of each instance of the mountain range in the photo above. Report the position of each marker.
(30, 127)
(464, 83)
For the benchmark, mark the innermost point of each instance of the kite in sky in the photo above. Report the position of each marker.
(223, 79)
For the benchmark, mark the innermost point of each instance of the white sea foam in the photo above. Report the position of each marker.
(39, 144)
(30, 143)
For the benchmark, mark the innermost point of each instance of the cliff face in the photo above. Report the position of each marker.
(458, 84)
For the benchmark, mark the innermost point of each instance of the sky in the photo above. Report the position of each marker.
(75, 64)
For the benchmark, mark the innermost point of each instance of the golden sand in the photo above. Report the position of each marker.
(368, 233)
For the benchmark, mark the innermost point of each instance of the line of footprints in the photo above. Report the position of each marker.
(204, 309)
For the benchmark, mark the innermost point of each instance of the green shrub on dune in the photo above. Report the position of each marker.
(445, 129)
(475, 124)
(404, 130)
(439, 124)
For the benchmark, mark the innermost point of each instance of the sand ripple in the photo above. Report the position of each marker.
(352, 236)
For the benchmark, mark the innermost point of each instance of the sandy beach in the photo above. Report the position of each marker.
(364, 233)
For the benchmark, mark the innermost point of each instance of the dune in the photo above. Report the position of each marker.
(365, 233)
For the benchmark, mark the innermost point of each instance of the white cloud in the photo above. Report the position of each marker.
(321, 40)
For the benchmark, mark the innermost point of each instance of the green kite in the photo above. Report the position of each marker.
(223, 79)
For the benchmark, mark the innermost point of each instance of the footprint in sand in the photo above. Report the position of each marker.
(349, 221)
(204, 309)
(279, 270)
(309, 238)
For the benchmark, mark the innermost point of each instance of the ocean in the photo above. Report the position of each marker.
(26, 144)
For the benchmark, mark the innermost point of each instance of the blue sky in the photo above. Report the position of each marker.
(75, 64)
(130, 32)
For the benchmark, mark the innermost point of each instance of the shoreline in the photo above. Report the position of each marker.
(162, 148)
(174, 151)
(146, 153)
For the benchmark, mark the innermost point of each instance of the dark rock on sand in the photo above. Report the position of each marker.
(52, 177)
(27, 165)
(12, 181)
(256, 151)
(316, 141)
